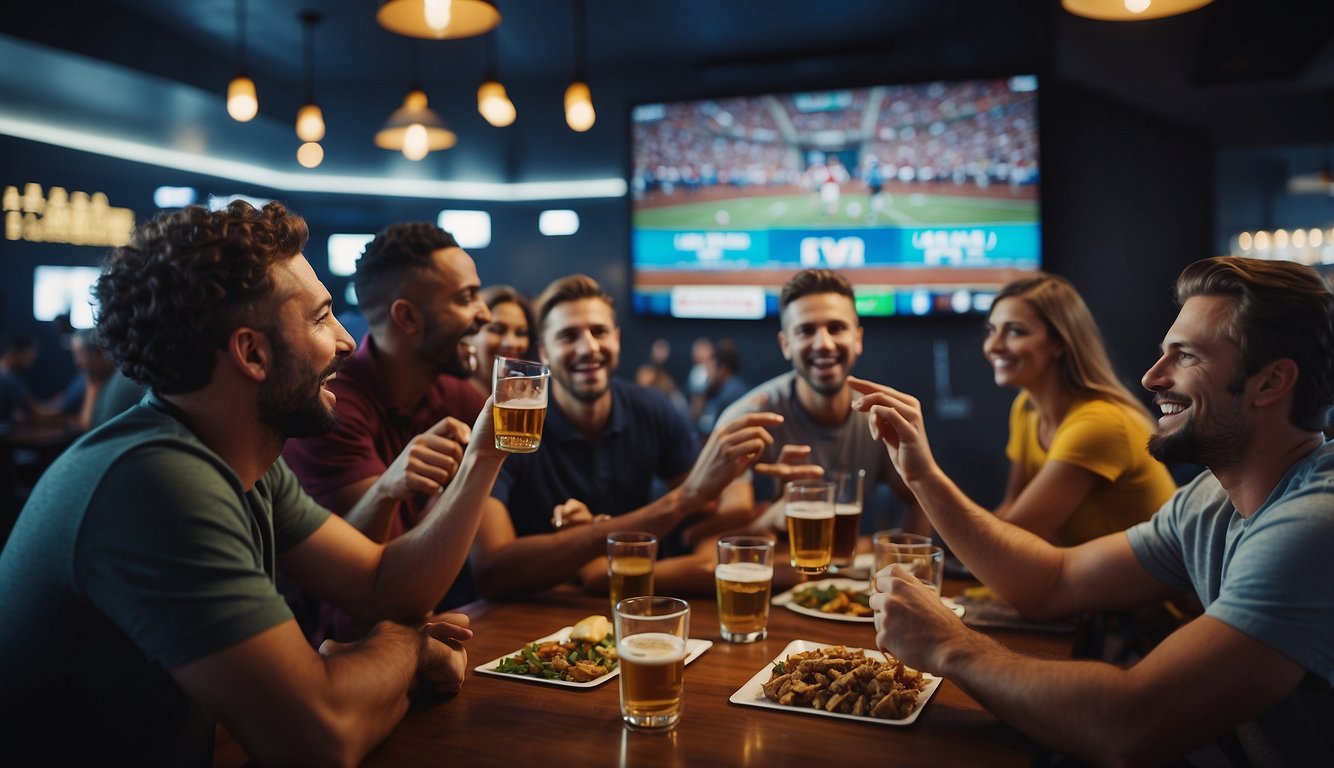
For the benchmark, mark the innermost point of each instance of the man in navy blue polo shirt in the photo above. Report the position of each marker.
(605, 443)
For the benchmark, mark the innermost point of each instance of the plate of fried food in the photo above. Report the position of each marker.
(839, 600)
(580, 656)
(837, 681)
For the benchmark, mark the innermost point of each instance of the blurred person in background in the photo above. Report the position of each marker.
(507, 334)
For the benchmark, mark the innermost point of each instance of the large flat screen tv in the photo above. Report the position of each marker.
(925, 196)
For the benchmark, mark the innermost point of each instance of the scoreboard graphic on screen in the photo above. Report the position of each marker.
(924, 196)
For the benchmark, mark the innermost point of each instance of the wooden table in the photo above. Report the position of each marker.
(514, 722)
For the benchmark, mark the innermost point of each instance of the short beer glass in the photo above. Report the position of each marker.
(651, 635)
(744, 578)
(810, 524)
(630, 556)
(916, 553)
(520, 408)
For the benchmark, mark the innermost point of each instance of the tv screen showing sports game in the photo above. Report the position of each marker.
(925, 196)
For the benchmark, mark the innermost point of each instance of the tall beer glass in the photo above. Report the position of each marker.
(848, 489)
(651, 637)
(744, 578)
(520, 389)
(630, 556)
(810, 524)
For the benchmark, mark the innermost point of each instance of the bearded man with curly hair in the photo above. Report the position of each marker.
(139, 580)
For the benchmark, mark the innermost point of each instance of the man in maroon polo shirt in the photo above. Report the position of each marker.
(404, 403)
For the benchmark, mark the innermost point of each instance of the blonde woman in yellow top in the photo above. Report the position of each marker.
(1079, 467)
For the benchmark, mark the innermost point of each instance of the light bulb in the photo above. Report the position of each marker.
(1137, 6)
(437, 14)
(242, 103)
(416, 143)
(310, 154)
(579, 113)
(310, 123)
(494, 104)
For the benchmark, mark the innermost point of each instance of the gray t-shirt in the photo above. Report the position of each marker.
(138, 552)
(1268, 576)
(847, 446)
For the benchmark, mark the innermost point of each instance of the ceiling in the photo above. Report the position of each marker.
(153, 73)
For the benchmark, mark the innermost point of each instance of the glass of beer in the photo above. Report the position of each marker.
(630, 556)
(520, 389)
(917, 553)
(744, 578)
(651, 637)
(848, 487)
(809, 506)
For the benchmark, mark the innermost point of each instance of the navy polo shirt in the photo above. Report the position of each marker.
(644, 438)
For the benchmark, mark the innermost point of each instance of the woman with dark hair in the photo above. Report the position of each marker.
(1079, 466)
(507, 335)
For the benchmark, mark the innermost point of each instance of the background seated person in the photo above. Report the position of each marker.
(505, 335)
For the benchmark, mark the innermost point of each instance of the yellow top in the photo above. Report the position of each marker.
(1108, 439)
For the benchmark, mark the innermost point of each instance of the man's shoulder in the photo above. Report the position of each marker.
(458, 397)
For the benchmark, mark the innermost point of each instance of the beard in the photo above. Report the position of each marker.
(1222, 445)
(825, 387)
(289, 401)
(440, 351)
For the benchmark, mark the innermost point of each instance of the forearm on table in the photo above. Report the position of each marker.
(532, 563)
(1078, 708)
(417, 568)
(369, 683)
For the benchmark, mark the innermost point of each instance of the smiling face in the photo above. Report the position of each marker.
(582, 346)
(1021, 349)
(452, 311)
(308, 346)
(822, 338)
(1198, 388)
(505, 336)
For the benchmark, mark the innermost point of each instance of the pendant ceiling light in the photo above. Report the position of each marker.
(1131, 10)
(579, 112)
(414, 128)
(242, 101)
(492, 101)
(309, 119)
(438, 19)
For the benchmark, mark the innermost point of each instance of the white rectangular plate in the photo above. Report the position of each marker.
(752, 693)
(786, 600)
(694, 647)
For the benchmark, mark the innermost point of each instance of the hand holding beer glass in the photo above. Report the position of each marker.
(630, 556)
(520, 410)
(651, 637)
(914, 552)
(809, 506)
(848, 489)
(744, 578)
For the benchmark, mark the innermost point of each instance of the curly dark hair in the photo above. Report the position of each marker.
(399, 252)
(168, 299)
(1281, 309)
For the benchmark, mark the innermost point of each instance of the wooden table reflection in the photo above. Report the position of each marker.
(498, 721)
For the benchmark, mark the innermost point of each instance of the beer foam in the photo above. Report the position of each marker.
(651, 648)
(808, 510)
(847, 509)
(748, 573)
(524, 404)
